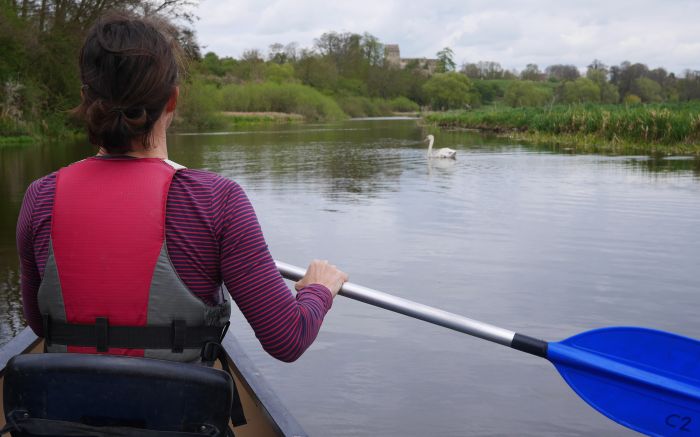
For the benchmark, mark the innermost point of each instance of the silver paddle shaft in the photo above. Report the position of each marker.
(412, 309)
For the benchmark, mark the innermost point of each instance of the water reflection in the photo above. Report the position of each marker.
(11, 321)
(678, 164)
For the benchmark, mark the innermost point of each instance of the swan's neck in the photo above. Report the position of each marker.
(430, 145)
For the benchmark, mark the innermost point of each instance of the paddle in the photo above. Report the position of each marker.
(644, 379)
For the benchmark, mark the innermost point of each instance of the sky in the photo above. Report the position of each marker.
(512, 32)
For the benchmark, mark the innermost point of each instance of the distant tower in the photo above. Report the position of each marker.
(392, 55)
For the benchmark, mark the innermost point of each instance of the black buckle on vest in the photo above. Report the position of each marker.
(178, 335)
(224, 331)
(211, 351)
(101, 334)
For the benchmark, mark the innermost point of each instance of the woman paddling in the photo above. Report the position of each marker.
(126, 252)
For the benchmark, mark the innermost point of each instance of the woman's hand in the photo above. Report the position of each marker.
(324, 273)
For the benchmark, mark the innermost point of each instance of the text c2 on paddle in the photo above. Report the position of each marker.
(676, 421)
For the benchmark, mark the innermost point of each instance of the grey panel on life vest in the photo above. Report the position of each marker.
(50, 296)
(170, 299)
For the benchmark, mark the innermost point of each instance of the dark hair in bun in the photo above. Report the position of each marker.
(128, 66)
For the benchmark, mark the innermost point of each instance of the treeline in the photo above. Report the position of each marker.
(352, 71)
(624, 83)
(340, 75)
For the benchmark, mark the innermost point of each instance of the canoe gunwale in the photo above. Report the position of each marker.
(279, 417)
(20, 344)
(272, 406)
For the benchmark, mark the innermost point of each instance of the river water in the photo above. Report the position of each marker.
(542, 243)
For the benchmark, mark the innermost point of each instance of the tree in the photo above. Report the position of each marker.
(632, 99)
(608, 91)
(346, 51)
(647, 89)
(471, 70)
(531, 72)
(212, 64)
(689, 86)
(490, 70)
(526, 93)
(562, 72)
(277, 54)
(624, 75)
(449, 91)
(581, 90)
(598, 65)
(372, 49)
(316, 71)
(291, 51)
(446, 61)
(488, 91)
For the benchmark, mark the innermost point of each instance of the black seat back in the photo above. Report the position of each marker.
(116, 392)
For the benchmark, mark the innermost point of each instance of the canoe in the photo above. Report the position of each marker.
(266, 415)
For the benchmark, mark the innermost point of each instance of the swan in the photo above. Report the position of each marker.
(441, 153)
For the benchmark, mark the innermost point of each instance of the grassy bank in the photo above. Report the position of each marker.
(8, 141)
(206, 105)
(248, 118)
(662, 128)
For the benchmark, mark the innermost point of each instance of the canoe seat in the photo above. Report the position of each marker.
(93, 395)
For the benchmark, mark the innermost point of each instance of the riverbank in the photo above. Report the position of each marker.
(15, 140)
(616, 129)
(37, 136)
(232, 118)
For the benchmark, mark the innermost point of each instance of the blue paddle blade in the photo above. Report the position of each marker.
(644, 379)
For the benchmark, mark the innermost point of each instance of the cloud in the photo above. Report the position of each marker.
(514, 33)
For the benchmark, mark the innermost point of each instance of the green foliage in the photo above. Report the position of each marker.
(272, 97)
(365, 107)
(450, 91)
(581, 90)
(632, 99)
(608, 91)
(279, 73)
(10, 128)
(532, 72)
(526, 93)
(317, 72)
(213, 65)
(198, 106)
(39, 45)
(648, 90)
(488, 90)
(403, 104)
(445, 58)
(350, 87)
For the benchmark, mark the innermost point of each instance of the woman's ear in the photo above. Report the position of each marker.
(172, 101)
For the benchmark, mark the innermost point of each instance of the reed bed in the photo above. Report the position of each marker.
(670, 126)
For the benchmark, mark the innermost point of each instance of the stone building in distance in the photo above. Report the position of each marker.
(392, 56)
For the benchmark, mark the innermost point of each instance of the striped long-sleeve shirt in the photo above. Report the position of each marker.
(213, 237)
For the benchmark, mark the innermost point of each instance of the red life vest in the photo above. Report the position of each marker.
(109, 285)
